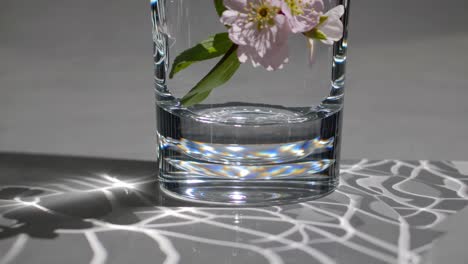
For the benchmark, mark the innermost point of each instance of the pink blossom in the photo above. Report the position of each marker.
(302, 15)
(260, 30)
(332, 27)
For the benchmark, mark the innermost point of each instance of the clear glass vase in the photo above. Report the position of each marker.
(249, 98)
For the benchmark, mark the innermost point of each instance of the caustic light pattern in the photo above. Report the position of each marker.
(382, 212)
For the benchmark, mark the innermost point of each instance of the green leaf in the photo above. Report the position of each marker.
(195, 98)
(213, 47)
(220, 8)
(316, 34)
(219, 75)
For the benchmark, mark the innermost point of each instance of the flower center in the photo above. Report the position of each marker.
(295, 6)
(262, 14)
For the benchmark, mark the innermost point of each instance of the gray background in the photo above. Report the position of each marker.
(76, 78)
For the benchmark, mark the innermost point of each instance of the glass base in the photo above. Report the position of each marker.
(248, 154)
(250, 193)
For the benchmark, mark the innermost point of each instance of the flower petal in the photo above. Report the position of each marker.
(268, 38)
(273, 60)
(333, 27)
(276, 3)
(243, 53)
(229, 17)
(333, 30)
(236, 34)
(237, 5)
(337, 11)
(308, 19)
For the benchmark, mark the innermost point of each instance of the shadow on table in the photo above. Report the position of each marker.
(42, 193)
